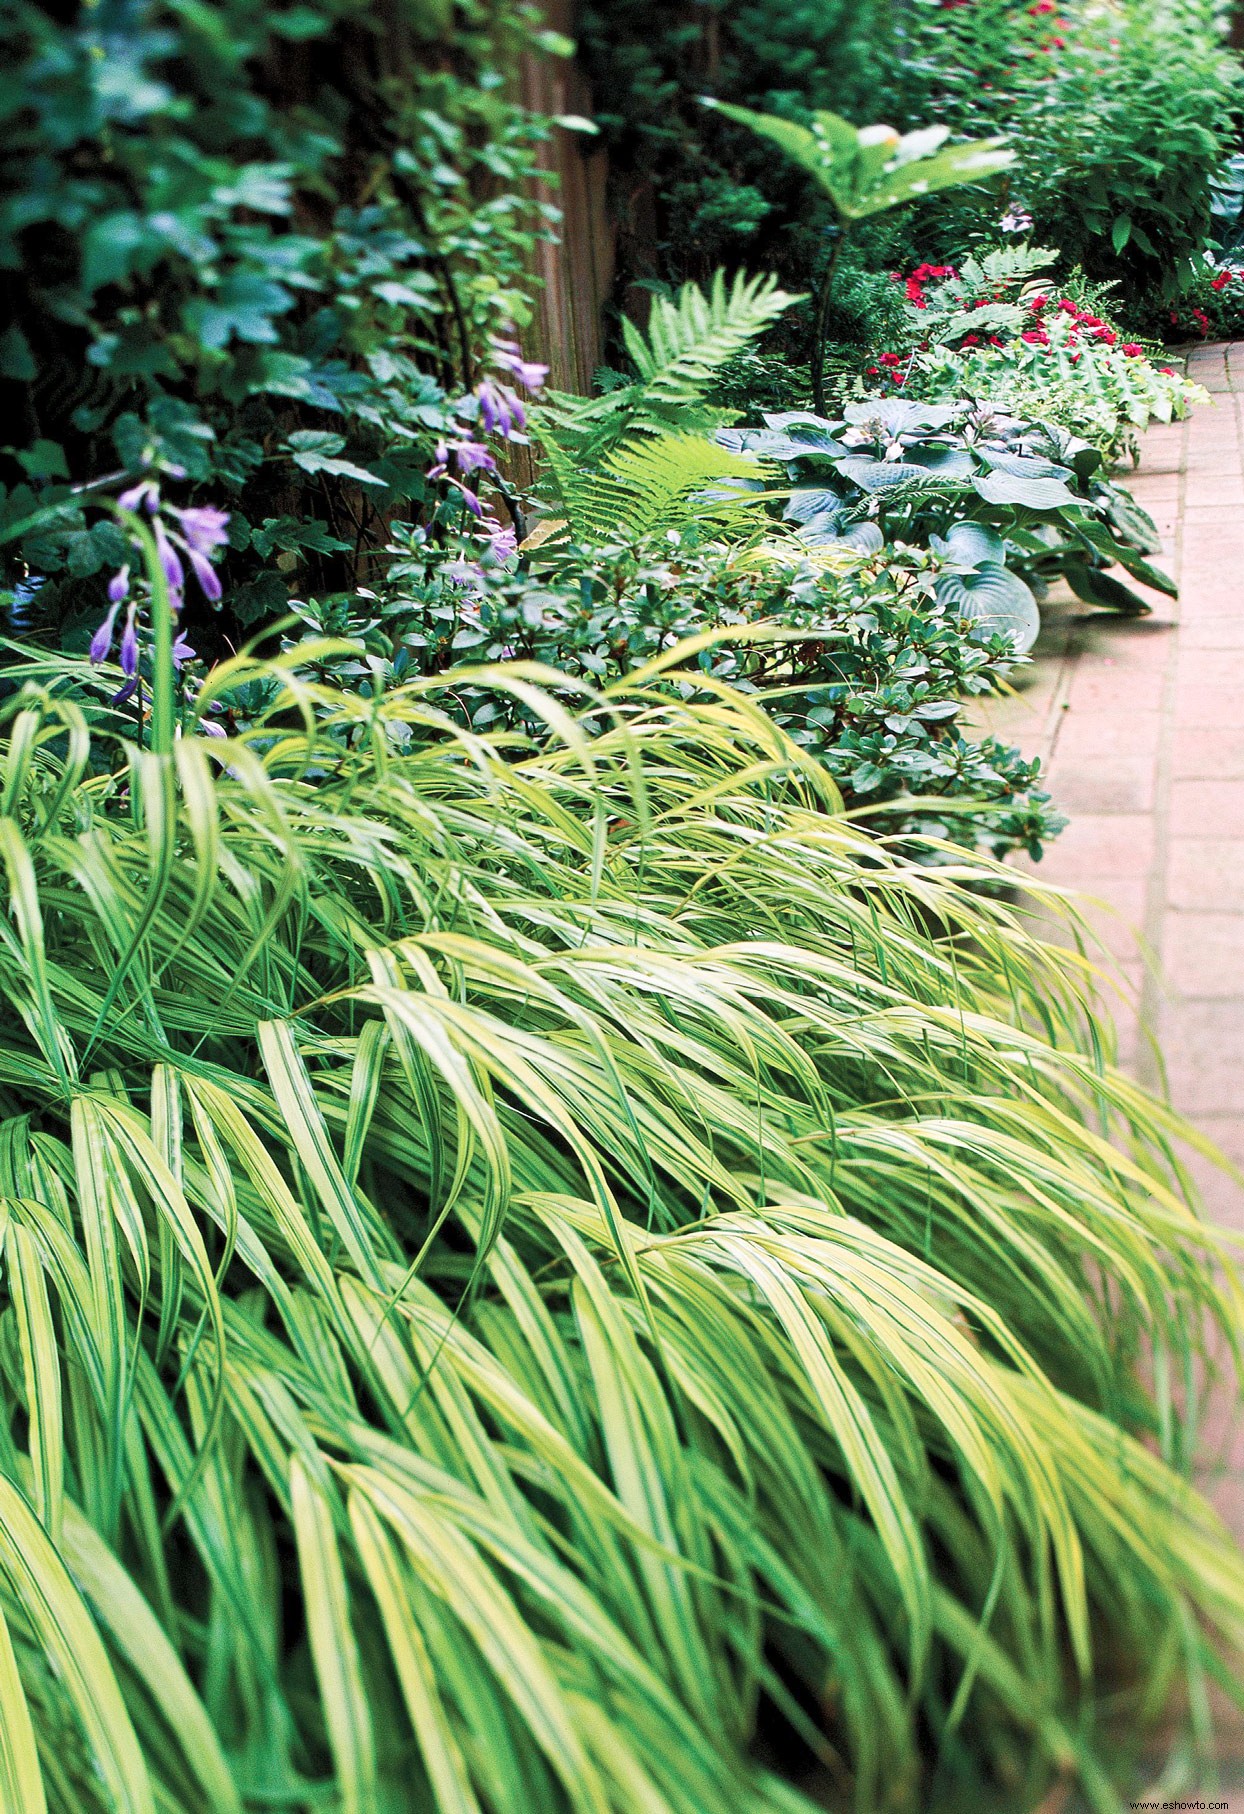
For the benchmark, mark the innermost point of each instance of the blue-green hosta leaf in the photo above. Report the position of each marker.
(945, 462)
(773, 444)
(823, 532)
(969, 545)
(882, 475)
(1104, 590)
(1132, 522)
(1029, 494)
(900, 416)
(1022, 466)
(996, 599)
(1099, 538)
(810, 502)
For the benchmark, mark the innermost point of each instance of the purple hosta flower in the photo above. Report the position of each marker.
(473, 456)
(129, 643)
(499, 408)
(174, 572)
(509, 356)
(1016, 220)
(206, 574)
(502, 541)
(144, 495)
(203, 528)
(212, 730)
(101, 642)
(182, 652)
(119, 585)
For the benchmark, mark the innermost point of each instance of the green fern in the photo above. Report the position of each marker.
(648, 483)
(689, 338)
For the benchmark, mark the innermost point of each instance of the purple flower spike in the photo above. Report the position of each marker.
(101, 642)
(119, 585)
(182, 652)
(129, 643)
(174, 572)
(471, 501)
(206, 574)
(204, 528)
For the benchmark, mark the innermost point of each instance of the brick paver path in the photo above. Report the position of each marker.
(1141, 722)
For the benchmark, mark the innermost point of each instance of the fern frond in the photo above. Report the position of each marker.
(652, 482)
(690, 338)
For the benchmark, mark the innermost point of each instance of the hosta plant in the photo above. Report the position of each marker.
(1006, 502)
(560, 1278)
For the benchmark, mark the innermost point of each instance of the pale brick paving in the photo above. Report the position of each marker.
(1141, 722)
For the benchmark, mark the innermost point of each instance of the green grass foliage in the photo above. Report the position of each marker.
(526, 1268)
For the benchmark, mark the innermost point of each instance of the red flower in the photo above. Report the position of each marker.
(1043, 6)
(1167, 371)
(1105, 336)
(1132, 350)
(1038, 303)
(1222, 280)
(1036, 337)
(891, 358)
(971, 340)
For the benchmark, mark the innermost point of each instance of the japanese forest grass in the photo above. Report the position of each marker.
(524, 1269)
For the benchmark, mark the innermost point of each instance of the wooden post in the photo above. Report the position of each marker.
(577, 272)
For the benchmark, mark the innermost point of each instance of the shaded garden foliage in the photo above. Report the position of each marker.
(259, 248)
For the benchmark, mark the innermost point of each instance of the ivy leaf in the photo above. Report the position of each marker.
(315, 450)
(242, 309)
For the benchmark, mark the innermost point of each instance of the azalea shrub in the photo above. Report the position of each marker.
(870, 665)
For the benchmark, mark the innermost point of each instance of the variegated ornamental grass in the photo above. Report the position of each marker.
(516, 1261)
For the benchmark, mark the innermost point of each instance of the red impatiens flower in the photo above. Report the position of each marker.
(1036, 337)
(1222, 280)
(891, 358)
(1133, 350)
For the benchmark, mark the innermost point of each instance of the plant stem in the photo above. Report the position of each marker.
(822, 320)
(162, 713)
